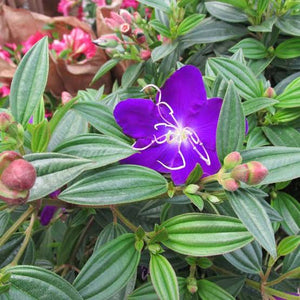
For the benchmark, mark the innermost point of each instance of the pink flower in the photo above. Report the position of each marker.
(4, 91)
(64, 6)
(130, 3)
(5, 55)
(31, 41)
(116, 20)
(145, 54)
(74, 47)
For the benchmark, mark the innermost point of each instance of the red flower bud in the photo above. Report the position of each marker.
(139, 35)
(12, 197)
(20, 175)
(230, 184)
(251, 173)
(5, 120)
(145, 54)
(125, 29)
(232, 159)
(6, 158)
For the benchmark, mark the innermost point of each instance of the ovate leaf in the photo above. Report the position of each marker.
(208, 290)
(288, 49)
(252, 48)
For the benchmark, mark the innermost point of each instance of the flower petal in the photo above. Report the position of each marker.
(137, 117)
(184, 91)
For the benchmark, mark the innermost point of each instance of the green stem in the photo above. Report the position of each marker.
(16, 225)
(22, 150)
(210, 178)
(26, 240)
(124, 220)
(282, 277)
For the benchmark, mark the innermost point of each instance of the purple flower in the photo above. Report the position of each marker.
(47, 214)
(178, 130)
(278, 298)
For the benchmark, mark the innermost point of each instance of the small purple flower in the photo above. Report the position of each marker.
(176, 132)
(47, 214)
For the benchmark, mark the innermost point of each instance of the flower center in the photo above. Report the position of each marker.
(178, 135)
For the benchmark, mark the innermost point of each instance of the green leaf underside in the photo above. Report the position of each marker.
(109, 269)
(116, 185)
(204, 235)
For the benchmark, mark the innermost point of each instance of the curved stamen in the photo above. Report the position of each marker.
(155, 87)
(171, 113)
(175, 168)
(194, 136)
(143, 148)
(164, 124)
(207, 158)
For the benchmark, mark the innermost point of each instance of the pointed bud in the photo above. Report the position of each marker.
(251, 173)
(20, 175)
(139, 35)
(270, 93)
(6, 158)
(5, 120)
(213, 199)
(191, 188)
(232, 159)
(192, 285)
(230, 184)
(65, 97)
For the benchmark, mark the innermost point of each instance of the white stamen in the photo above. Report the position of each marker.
(155, 87)
(143, 148)
(175, 168)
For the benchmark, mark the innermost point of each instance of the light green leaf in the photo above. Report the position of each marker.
(131, 74)
(109, 269)
(288, 245)
(289, 24)
(252, 48)
(256, 138)
(237, 3)
(208, 290)
(189, 23)
(265, 26)
(29, 82)
(282, 136)
(254, 217)
(29, 282)
(101, 117)
(160, 27)
(256, 104)
(226, 12)
(106, 67)
(103, 149)
(205, 235)
(163, 278)
(231, 125)
(40, 137)
(243, 78)
(116, 185)
(277, 160)
(54, 170)
(163, 5)
(288, 49)
(247, 259)
(163, 50)
(290, 96)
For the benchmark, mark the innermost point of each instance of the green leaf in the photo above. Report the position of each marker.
(290, 96)
(163, 50)
(40, 137)
(252, 48)
(208, 290)
(288, 245)
(196, 200)
(29, 282)
(103, 149)
(256, 138)
(106, 67)
(265, 26)
(101, 117)
(54, 170)
(4, 221)
(189, 23)
(109, 269)
(231, 284)
(237, 3)
(195, 175)
(282, 136)
(211, 31)
(226, 12)
(277, 160)
(205, 235)
(288, 49)
(243, 78)
(29, 82)
(247, 259)
(291, 261)
(289, 24)
(116, 185)
(256, 104)
(163, 278)
(231, 124)
(253, 215)
(160, 27)
(289, 209)
(131, 74)
(145, 292)
(163, 5)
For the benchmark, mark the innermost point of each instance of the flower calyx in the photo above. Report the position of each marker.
(17, 177)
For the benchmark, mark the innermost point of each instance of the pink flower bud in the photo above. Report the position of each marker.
(5, 120)
(126, 15)
(12, 197)
(270, 92)
(6, 158)
(251, 173)
(192, 285)
(65, 97)
(232, 159)
(20, 175)
(139, 35)
(145, 54)
(125, 29)
(230, 184)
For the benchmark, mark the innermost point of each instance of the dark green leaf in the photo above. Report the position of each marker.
(109, 269)
(252, 48)
(282, 136)
(208, 290)
(291, 261)
(116, 185)
(289, 24)
(277, 160)
(163, 278)
(205, 235)
(253, 105)
(231, 125)
(131, 74)
(231, 284)
(265, 26)
(163, 5)
(189, 23)
(226, 12)
(106, 67)
(160, 27)
(195, 175)
(29, 82)
(254, 217)
(163, 50)
(247, 259)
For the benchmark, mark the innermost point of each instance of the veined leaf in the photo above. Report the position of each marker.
(109, 269)
(189, 23)
(163, 50)
(252, 48)
(106, 67)
(208, 290)
(205, 235)
(288, 49)
(29, 82)
(289, 24)
(253, 105)
(282, 136)
(160, 27)
(163, 5)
